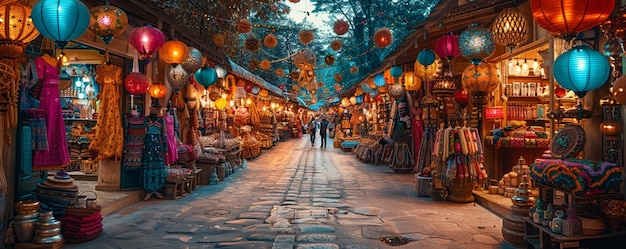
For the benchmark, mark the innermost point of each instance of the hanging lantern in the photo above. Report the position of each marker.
(614, 47)
(61, 20)
(395, 71)
(157, 90)
(353, 100)
(221, 103)
(560, 92)
(410, 81)
(336, 45)
(193, 61)
(107, 21)
(476, 43)
(481, 78)
(255, 90)
(270, 41)
(387, 75)
(443, 86)
(147, 40)
(218, 39)
(177, 76)
(136, 83)
(341, 27)
(396, 91)
(428, 72)
(244, 26)
(265, 64)
(366, 88)
(568, 18)
(619, 90)
(510, 28)
(345, 102)
(447, 46)
(338, 78)
(460, 97)
(174, 52)
(581, 69)
(426, 57)
(16, 29)
(383, 37)
(306, 36)
(206, 76)
(379, 80)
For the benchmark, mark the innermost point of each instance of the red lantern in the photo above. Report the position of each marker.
(378, 98)
(146, 40)
(383, 37)
(281, 86)
(570, 17)
(157, 90)
(136, 83)
(248, 87)
(460, 97)
(341, 27)
(560, 92)
(447, 46)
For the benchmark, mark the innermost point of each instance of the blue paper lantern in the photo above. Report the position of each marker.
(61, 20)
(395, 71)
(205, 76)
(379, 80)
(366, 88)
(476, 43)
(581, 69)
(359, 99)
(255, 90)
(426, 57)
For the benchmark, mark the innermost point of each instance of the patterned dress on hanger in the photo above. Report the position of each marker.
(57, 156)
(154, 173)
(134, 138)
(109, 139)
(172, 153)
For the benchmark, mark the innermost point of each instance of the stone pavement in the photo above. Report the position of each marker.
(295, 196)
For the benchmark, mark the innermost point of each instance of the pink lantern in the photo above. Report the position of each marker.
(447, 46)
(136, 83)
(147, 40)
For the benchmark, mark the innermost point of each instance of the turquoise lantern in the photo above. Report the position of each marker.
(205, 76)
(379, 80)
(395, 71)
(581, 69)
(426, 57)
(61, 20)
(476, 43)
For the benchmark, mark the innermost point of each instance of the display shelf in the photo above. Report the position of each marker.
(541, 237)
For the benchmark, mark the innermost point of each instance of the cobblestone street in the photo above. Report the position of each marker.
(303, 197)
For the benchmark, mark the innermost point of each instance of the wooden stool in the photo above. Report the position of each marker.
(89, 167)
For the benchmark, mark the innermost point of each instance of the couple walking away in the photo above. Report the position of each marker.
(313, 129)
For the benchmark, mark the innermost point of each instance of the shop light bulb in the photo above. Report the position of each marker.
(511, 68)
(81, 95)
(78, 83)
(536, 68)
(525, 69)
(518, 70)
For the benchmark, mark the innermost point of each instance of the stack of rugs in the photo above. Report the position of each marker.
(79, 227)
(56, 193)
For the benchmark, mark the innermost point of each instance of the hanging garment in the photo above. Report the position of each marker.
(57, 156)
(108, 141)
(134, 138)
(172, 153)
(153, 162)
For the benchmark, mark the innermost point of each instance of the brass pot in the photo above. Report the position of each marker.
(26, 207)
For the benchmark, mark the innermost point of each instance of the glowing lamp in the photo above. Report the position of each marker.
(383, 37)
(611, 129)
(157, 90)
(174, 52)
(177, 76)
(107, 21)
(221, 103)
(61, 20)
(396, 91)
(136, 83)
(510, 28)
(147, 40)
(221, 72)
(581, 69)
(426, 57)
(16, 29)
(444, 86)
(495, 112)
(460, 97)
(476, 43)
(193, 61)
(481, 78)
(410, 81)
(570, 17)
(379, 80)
(205, 76)
(619, 90)
(353, 100)
(447, 46)
(428, 72)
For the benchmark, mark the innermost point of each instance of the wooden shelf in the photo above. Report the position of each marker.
(539, 236)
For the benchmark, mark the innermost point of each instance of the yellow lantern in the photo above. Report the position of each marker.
(430, 72)
(174, 52)
(220, 103)
(157, 90)
(410, 81)
(353, 100)
(480, 78)
(387, 76)
(345, 102)
(16, 29)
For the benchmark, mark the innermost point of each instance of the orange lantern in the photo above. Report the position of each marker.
(157, 90)
(16, 29)
(174, 52)
(383, 37)
(387, 76)
(429, 72)
(570, 17)
(480, 78)
(410, 81)
(263, 93)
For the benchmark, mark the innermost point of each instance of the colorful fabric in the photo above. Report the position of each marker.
(57, 156)
(109, 139)
(172, 154)
(134, 138)
(581, 177)
(154, 173)
(39, 134)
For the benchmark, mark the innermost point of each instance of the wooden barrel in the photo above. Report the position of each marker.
(461, 191)
(514, 226)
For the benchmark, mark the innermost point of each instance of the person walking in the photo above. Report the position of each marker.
(312, 130)
(323, 129)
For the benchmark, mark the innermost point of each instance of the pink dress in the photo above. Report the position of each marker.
(172, 153)
(58, 155)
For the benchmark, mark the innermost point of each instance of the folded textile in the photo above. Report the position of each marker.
(82, 234)
(83, 219)
(79, 225)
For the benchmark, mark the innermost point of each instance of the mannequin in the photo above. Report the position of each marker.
(153, 162)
